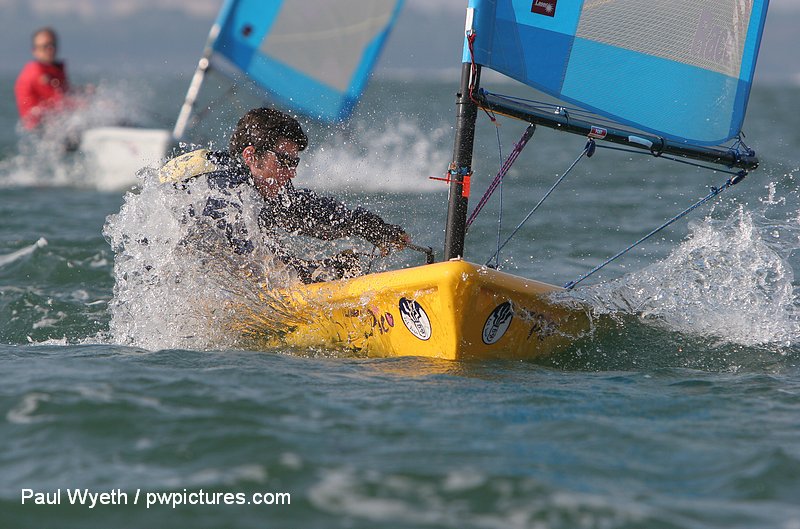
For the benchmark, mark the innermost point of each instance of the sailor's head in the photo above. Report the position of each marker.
(45, 45)
(268, 142)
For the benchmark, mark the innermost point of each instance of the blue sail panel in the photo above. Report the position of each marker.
(696, 110)
(312, 57)
(680, 69)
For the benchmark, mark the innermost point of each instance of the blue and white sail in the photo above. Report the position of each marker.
(681, 69)
(313, 58)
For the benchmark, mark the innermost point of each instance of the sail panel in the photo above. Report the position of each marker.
(672, 98)
(680, 69)
(708, 34)
(314, 58)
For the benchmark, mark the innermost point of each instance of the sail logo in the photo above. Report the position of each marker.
(714, 43)
(598, 132)
(497, 323)
(415, 318)
(544, 7)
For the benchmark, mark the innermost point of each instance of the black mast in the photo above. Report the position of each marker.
(461, 168)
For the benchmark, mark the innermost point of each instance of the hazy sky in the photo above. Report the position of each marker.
(168, 35)
(93, 8)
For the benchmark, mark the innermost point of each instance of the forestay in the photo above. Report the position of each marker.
(698, 56)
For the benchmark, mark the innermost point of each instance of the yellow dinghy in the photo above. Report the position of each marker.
(452, 310)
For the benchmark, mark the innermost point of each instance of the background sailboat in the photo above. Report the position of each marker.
(309, 58)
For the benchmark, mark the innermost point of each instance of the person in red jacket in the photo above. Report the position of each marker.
(42, 86)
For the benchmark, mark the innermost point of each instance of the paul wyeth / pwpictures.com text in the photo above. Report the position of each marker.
(90, 499)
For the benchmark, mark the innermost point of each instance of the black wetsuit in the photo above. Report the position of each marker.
(295, 211)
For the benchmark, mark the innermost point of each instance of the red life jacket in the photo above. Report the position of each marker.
(40, 89)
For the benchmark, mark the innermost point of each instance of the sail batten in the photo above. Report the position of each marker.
(680, 69)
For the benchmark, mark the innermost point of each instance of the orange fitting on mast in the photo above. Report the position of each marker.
(465, 184)
(452, 173)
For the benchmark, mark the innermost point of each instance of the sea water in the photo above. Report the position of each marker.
(119, 407)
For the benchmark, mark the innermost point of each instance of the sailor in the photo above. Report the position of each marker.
(42, 85)
(264, 154)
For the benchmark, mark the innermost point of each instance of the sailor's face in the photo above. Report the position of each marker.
(45, 47)
(272, 169)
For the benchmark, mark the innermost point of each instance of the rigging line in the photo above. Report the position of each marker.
(500, 210)
(714, 192)
(512, 157)
(471, 35)
(589, 148)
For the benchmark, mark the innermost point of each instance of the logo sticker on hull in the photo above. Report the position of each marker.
(415, 318)
(497, 323)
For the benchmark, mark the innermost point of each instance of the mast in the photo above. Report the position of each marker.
(461, 168)
(194, 86)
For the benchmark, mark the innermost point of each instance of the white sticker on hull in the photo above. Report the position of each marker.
(415, 318)
(497, 323)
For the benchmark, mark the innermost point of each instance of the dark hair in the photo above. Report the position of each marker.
(263, 128)
(50, 31)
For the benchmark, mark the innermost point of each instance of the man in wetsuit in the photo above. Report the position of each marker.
(264, 153)
(42, 85)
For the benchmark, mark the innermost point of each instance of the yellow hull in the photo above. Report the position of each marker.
(453, 310)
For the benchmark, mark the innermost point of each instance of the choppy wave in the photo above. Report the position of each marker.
(397, 442)
(22, 252)
(731, 281)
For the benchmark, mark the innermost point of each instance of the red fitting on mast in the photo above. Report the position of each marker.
(452, 174)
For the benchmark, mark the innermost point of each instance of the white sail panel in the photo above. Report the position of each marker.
(324, 40)
(708, 35)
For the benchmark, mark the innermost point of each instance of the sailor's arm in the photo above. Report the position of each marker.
(326, 218)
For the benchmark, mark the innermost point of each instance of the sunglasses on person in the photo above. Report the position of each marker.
(286, 160)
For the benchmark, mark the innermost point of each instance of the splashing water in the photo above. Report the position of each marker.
(398, 158)
(177, 282)
(731, 279)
